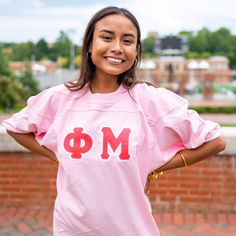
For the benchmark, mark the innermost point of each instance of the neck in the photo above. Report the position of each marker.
(103, 86)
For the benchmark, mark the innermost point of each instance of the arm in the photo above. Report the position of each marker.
(191, 156)
(195, 155)
(28, 141)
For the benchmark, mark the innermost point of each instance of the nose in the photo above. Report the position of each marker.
(116, 46)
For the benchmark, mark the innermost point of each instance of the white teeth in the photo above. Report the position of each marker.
(115, 60)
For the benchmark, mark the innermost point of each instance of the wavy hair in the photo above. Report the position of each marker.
(127, 78)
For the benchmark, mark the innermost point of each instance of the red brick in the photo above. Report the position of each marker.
(50, 229)
(189, 218)
(21, 213)
(232, 219)
(177, 192)
(158, 218)
(191, 185)
(222, 218)
(31, 213)
(24, 228)
(168, 198)
(41, 214)
(200, 218)
(178, 218)
(167, 218)
(10, 212)
(211, 218)
(200, 228)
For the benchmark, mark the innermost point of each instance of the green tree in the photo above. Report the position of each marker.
(187, 34)
(192, 55)
(30, 85)
(148, 46)
(11, 95)
(14, 90)
(201, 42)
(62, 44)
(4, 64)
(61, 47)
(41, 50)
(206, 43)
(23, 51)
(232, 57)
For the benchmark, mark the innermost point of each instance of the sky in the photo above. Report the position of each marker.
(24, 20)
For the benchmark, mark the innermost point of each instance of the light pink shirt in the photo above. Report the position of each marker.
(107, 144)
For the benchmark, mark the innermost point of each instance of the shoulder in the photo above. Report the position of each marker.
(57, 93)
(149, 92)
(157, 101)
(59, 90)
(144, 89)
(51, 100)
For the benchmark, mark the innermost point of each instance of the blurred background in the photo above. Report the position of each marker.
(189, 47)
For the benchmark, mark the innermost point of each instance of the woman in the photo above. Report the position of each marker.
(108, 132)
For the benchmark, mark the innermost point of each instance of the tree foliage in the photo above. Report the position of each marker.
(23, 51)
(41, 50)
(62, 44)
(4, 63)
(12, 93)
(14, 89)
(219, 42)
(148, 46)
(30, 85)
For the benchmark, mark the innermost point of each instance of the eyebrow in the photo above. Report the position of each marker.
(113, 33)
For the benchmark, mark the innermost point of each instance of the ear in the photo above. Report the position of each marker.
(90, 48)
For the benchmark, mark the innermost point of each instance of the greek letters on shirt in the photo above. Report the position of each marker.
(78, 143)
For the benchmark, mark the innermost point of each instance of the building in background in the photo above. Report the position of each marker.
(171, 45)
(184, 76)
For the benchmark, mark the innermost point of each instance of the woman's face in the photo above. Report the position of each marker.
(114, 46)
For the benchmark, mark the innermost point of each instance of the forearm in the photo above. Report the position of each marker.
(195, 155)
(28, 141)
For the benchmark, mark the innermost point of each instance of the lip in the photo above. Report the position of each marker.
(114, 60)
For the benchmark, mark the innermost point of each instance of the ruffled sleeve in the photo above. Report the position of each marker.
(36, 117)
(187, 127)
(173, 125)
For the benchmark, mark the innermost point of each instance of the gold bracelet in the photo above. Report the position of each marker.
(183, 158)
(56, 162)
(154, 174)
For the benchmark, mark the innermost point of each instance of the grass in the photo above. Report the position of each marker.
(227, 124)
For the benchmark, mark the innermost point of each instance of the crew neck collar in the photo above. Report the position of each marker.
(106, 97)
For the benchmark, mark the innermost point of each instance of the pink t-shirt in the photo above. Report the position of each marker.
(107, 144)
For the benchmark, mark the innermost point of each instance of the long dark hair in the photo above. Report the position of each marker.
(128, 78)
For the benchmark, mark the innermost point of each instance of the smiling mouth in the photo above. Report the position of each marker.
(114, 60)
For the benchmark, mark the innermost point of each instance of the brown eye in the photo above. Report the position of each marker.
(127, 41)
(107, 38)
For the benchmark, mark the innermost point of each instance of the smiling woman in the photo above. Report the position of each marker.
(113, 51)
(108, 131)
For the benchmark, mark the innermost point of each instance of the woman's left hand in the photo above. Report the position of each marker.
(147, 186)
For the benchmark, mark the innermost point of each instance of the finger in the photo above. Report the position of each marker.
(147, 186)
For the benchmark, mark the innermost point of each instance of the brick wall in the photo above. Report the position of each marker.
(207, 186)
(28, 180)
